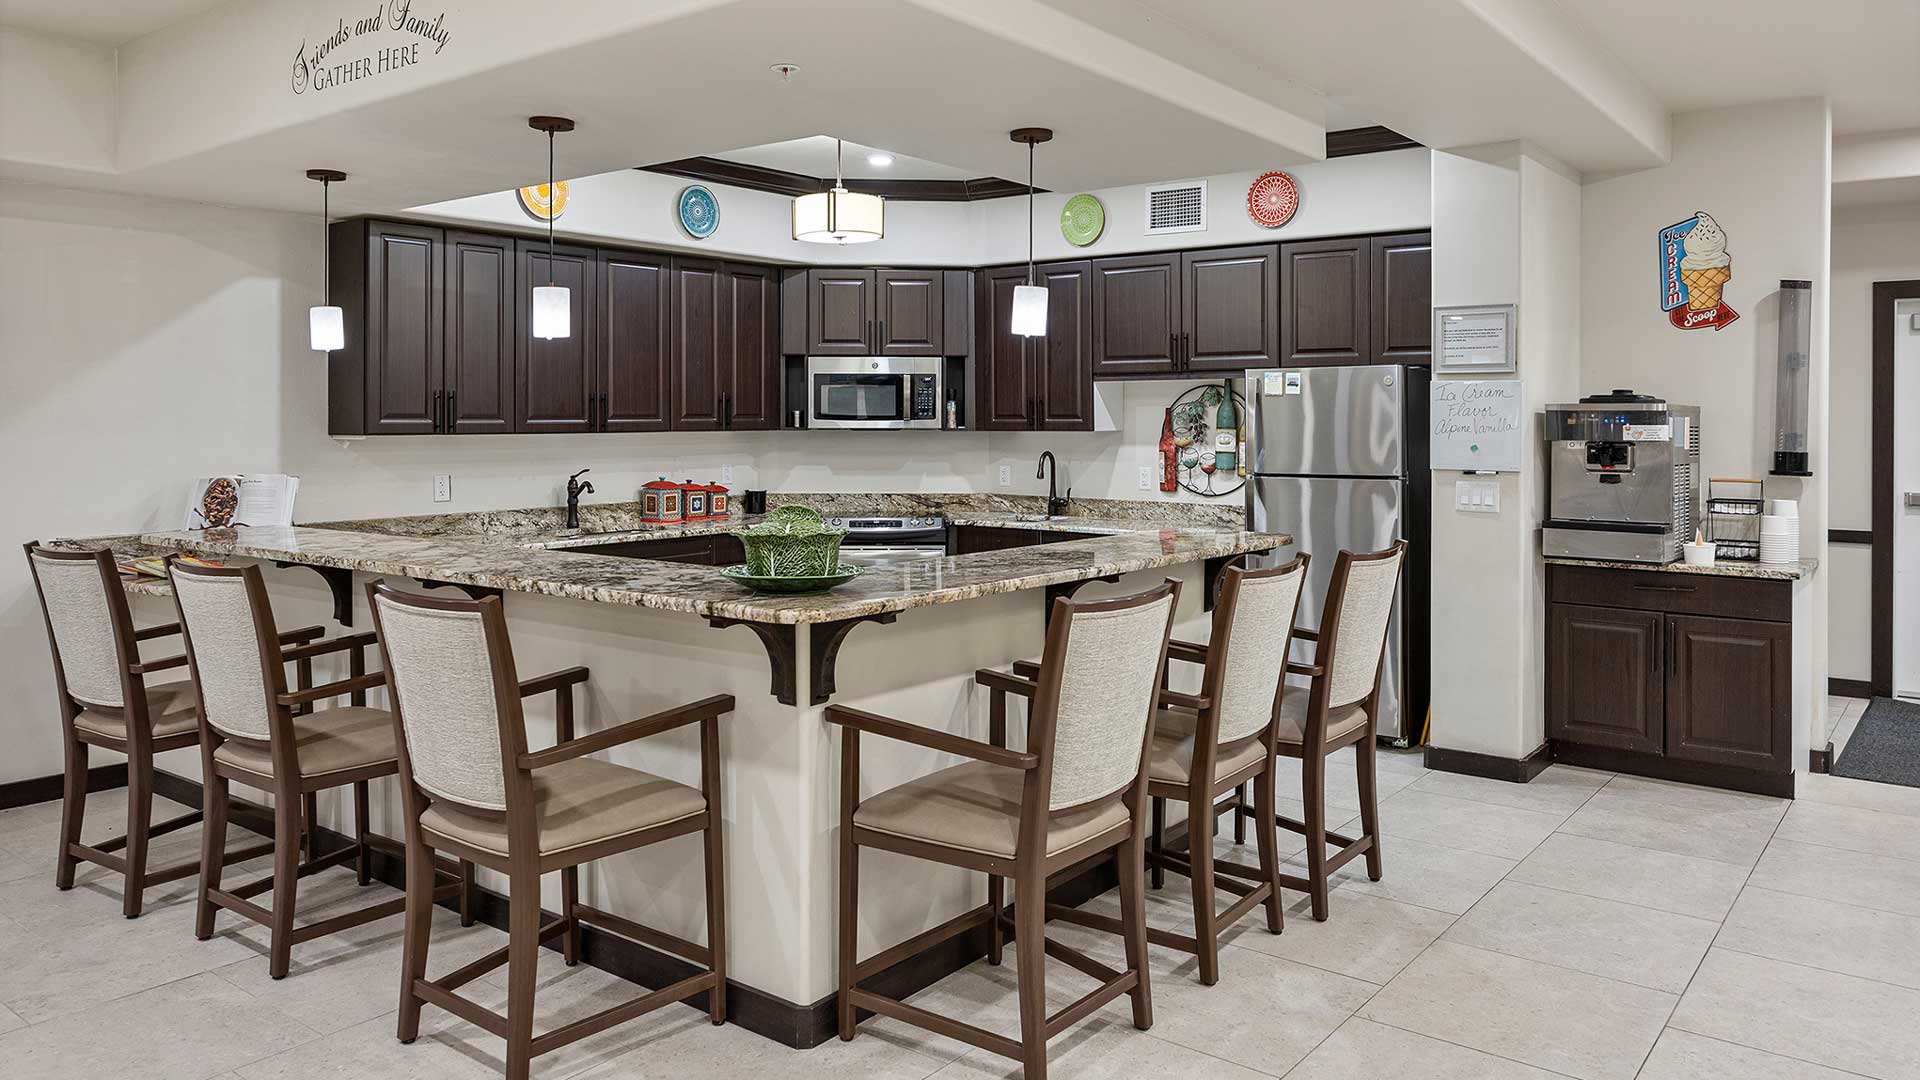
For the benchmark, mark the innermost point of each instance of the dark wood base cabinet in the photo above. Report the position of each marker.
(1680, 676)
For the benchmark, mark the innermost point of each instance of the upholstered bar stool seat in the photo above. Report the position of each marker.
(171, 710)
(332, 741)
(976, 807)
(577, 804)
(1172, 755)
(1341, 722)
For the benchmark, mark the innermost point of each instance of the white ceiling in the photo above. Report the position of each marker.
(813, 156)
(103, 22)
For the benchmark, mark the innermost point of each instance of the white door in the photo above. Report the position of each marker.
(1906, 493)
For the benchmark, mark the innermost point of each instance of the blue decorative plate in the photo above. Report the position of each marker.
(699, 212)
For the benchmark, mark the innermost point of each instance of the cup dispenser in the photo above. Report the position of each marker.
(1790, 394)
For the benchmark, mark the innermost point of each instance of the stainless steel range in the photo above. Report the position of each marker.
(891, 541)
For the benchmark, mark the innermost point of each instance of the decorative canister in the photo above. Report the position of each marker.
(717, 501)
(660, 503)
(693, 498)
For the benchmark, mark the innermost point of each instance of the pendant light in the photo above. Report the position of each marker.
(326, 324)
(552, 307)
(838, 216)
(1030, 300)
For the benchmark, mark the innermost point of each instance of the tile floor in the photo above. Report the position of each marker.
(1585, 925)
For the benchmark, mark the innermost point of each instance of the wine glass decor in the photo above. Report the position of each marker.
(1196, 436)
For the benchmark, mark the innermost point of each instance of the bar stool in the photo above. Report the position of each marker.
(1336, 710)
(471, 788)
(1076, 793)
(106, 701)
(256, 731)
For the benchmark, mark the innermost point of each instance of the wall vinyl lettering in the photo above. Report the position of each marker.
(386, 38)
(1694, 271)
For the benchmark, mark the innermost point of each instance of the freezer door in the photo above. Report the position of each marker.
(1324, 516)
(1329, 421)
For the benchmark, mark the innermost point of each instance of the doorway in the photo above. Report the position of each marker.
(1905, 499)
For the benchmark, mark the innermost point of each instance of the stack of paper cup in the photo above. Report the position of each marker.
(1780, 535)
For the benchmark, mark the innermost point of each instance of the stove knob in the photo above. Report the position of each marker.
(835, 522)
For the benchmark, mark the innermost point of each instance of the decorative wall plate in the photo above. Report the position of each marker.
(699, 211)
(542, 205)
(1082, 220)
(1271, 199)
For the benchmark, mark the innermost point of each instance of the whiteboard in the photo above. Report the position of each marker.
(1476, 425)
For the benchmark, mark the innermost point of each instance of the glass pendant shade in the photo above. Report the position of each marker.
(552, 312)
(1030, 310)
(838, 216)
(327, 328)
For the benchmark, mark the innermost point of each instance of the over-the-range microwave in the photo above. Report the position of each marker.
(874, 392)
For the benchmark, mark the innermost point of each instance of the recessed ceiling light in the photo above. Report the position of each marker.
(879, 161)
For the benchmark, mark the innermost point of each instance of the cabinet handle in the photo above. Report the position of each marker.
(1665, 588)
(1673, 646)
(437, 414)
(1173, 351)
(451, 414)
(1186, 351)
(604, 410)
(880, 336)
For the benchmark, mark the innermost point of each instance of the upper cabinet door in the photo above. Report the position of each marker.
(1325, 316)
(405, 374)
(909, 312)
(556, 374)
(1136, 315)
(1004, 385)
(481, 322)
(840, 313)
(1403, 299)
(697, 343)
(1230, 308)
(750, 320)
(1063, 368)
(632, 385)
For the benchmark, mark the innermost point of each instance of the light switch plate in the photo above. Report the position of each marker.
(443, 488)
(1006, 475)
(726, 475)
(1146, 478)
(1476, 496)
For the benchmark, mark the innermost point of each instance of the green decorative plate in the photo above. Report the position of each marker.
(1082, 220)
(791, 585)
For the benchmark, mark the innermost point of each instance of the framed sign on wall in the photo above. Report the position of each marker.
(1475, 338)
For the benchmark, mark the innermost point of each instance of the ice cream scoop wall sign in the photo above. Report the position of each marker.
(1694, 269)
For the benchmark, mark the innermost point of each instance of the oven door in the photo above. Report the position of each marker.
(875, 556)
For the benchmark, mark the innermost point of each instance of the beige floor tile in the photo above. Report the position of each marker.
(1851, 877)
(1104, 1049)
(1657, 879)
(981, 995)
(1865, 794)
(1872, 831)
(1363, 1050)
(1366, 938)
(369, 1051)
(1722, 825)
(1550, 1017)
(20, 864)
(1425, 875)
(197, 1027)
(1411, 761)
(689, 1047)
(1824, 934)
(1800, 1012)
(1561, 789)
(1464, 824)
(9, 1020)
(1681, 1055)
(1655, 949)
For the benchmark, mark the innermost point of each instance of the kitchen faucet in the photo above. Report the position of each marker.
(576, 488)
(1056, 504)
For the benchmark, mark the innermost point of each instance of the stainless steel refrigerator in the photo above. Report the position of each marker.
(1339, 460)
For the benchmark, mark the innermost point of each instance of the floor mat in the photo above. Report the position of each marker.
(1885, 746)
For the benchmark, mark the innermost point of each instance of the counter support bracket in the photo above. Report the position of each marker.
(476, 592)
(1211, 579)
(339, 582)
(1066, 589)
(782, 653)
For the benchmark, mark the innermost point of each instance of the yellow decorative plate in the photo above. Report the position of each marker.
(543, 204)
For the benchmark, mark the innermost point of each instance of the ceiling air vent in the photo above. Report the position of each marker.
(1180, 207)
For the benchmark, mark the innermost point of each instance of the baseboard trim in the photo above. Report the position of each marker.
(785, 1022)
(1490, 766)
(39, 789)
(1704, 774)
(1856, 688)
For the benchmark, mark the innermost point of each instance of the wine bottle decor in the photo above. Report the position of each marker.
(1207, 425)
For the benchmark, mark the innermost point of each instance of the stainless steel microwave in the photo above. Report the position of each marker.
(874, 392)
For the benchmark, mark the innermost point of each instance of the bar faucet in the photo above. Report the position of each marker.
(576, 488)
(1056, 503)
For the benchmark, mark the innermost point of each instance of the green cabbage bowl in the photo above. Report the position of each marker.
(792, 542)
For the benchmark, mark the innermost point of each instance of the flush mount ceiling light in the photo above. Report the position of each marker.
(326, 325)
(552, 307)
(1030, 300)
(838, 216)
(879, 161)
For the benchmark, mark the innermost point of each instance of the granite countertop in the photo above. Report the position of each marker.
(1792, 571)
(525, 551)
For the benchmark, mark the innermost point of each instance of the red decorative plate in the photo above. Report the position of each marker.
(1272, 199)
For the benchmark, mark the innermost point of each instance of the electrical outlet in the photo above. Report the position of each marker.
(726, 475)
(1006, 475)
(443, 488)
(1146, 478)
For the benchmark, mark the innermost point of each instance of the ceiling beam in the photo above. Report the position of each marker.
(740, 174)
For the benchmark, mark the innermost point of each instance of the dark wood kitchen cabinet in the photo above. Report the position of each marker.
(482, 324)
(724, 346)
(556, 375)
(390, 378)
(1402, 299)
(632, 373)
(696, 342)
(839, 312)
(1230, 309)
(1041, 383)
(1003, 372)
(865, 312)
(1325, 306)
(1136, 315)
(1681, 676)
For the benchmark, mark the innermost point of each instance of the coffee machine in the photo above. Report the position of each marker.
(1621, 478)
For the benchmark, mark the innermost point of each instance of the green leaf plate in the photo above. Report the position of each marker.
(792, 585)
(1082, 220)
